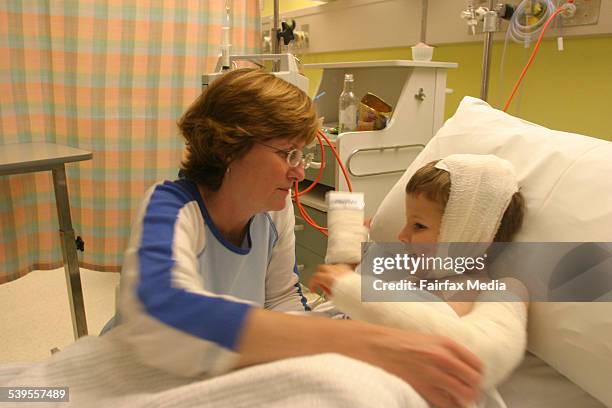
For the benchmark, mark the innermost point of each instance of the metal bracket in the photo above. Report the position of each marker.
(372, 149)
(420, 95)
(80, 244)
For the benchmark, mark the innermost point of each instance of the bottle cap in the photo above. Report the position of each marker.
(348, 77)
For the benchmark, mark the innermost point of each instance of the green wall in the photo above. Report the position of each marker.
(569, 90)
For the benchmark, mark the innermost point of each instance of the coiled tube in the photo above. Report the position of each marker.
(519, 30)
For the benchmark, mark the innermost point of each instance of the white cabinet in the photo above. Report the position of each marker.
(375, 160)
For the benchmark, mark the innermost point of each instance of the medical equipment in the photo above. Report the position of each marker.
(288, 69)
(528, 19)
(225, 37)
(489, 16)
(296, 195)
(569, 8)
(285, 65)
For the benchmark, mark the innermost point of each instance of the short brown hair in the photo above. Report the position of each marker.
(238, 109)
(435, 184)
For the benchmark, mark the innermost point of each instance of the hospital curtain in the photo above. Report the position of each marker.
(110, 76)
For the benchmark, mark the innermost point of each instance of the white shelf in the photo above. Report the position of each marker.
(382, 63)
(415, 89)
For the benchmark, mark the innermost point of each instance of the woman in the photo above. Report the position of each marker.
(210, 263)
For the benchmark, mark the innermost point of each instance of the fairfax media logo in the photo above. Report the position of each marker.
(550, 271)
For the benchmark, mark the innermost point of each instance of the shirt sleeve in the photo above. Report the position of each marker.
(168, 317)
(283, 291)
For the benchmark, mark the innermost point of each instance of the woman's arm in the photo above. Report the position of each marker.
(443, 373)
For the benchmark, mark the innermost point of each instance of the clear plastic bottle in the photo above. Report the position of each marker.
(347, 115)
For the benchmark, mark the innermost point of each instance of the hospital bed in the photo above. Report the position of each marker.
(566, 181)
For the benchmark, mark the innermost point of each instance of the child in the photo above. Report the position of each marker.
(462, 198)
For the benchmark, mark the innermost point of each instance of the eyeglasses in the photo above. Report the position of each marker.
(294, 157)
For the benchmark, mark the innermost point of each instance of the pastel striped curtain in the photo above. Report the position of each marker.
(110, 76)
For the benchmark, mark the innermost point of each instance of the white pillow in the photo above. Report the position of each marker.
(566, 180)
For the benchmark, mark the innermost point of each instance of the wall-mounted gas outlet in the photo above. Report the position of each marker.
(587, 13)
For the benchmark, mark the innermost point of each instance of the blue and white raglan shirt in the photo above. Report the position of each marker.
(185, 290)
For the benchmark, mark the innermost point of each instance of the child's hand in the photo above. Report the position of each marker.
(325, 276)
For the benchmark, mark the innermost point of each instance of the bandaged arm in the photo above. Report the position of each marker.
(495, 329)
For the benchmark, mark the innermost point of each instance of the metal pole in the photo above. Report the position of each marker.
(423, 21)
(275, 39)
(71, 260)
(486, 60)
(486, 66)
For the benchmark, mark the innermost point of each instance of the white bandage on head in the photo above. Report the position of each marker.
(481, 189)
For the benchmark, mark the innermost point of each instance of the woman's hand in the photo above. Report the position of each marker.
(325, 276)
(445, 374)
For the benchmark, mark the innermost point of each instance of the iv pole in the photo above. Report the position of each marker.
(274, 37)
(489, 25)
(489, 28)
(423, 21)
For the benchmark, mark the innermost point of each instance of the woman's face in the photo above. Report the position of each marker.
(263, 176)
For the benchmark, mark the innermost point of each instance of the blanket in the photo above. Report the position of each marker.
(101, 372)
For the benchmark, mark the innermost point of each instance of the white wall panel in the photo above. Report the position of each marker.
(345, 25)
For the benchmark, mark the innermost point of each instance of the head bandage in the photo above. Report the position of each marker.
(481, 189)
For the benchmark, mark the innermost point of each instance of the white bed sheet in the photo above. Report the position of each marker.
(535, 384)
(103, 372)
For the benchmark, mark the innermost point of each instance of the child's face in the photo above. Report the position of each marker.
(423, 219)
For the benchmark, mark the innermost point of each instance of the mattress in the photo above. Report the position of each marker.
(535, 384)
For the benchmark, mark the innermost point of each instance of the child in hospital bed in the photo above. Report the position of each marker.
(462, 198)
